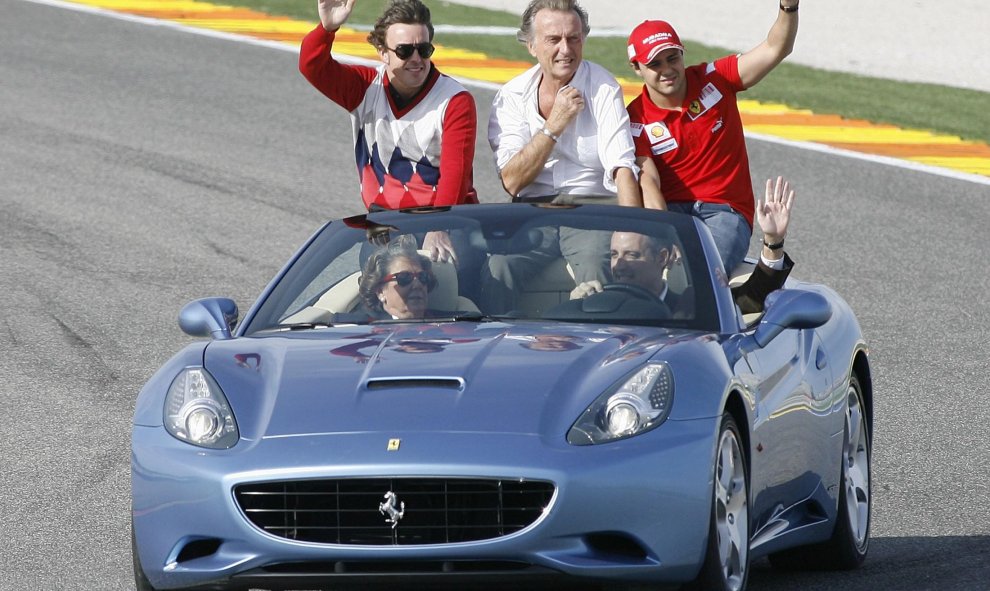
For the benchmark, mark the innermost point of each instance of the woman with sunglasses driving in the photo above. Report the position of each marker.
(414, 128)
(396, 283)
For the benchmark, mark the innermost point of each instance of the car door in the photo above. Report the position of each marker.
(790, 433)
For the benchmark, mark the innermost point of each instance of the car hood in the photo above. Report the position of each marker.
(459, 377)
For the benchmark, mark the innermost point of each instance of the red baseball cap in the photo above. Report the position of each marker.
(650, 38)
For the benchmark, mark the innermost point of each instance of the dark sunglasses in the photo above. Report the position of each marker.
(405, 50)
(404, 278)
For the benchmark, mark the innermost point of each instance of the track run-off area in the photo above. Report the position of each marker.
(764, 120)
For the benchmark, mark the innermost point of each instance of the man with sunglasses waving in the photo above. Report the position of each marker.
(414, 128)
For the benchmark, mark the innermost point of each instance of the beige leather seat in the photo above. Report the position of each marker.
(445, 296)
(739, 276)
(741, 273)
(546, 289)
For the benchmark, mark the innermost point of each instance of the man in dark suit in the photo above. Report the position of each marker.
(640, 260)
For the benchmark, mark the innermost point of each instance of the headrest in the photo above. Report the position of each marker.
(444, 295)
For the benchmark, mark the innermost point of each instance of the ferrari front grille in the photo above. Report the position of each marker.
(393, 511)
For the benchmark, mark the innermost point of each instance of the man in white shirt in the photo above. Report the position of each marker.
(560, 130)
(560, 134)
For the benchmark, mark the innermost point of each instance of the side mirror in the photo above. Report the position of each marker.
(791, 308)
(209, 317)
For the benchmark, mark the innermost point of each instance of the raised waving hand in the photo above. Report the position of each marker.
(334, 13)
(773, 212)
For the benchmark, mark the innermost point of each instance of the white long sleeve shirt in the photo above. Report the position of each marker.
(588, 152)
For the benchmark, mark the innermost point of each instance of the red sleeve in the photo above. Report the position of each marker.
(641, 142)
(460, 125)
(728, 68)
(344, 85)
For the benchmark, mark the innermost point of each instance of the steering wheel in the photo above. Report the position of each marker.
(633, 290)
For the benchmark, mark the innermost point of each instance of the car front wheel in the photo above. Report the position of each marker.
(851, 539)
(726, 566)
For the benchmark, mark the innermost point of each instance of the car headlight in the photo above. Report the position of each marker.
(637, 404)
(197, 412)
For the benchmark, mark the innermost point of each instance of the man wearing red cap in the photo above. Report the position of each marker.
(687, 129)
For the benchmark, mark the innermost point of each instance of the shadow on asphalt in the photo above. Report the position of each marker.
(951, 563)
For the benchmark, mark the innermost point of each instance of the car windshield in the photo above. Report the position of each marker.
(592, 264)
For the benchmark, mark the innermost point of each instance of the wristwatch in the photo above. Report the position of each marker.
(788, 8)
(547, 133)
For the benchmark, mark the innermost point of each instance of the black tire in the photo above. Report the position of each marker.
(850, 540)
(726, 566)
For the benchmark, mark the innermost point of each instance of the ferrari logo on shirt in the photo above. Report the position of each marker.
(709, 97)
(661, 140)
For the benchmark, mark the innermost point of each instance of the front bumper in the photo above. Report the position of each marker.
(635, 510)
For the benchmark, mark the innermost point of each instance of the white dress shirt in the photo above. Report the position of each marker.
(776, 264)
(588, 152)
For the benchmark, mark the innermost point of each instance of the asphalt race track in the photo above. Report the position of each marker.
(141, 167)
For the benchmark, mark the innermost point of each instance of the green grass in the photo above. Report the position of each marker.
(366, 12)
(906, 104)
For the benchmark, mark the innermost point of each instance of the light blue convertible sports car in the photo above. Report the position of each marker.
(578, 400)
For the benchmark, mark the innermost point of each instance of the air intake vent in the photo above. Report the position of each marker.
(425, 510)
(389, 383)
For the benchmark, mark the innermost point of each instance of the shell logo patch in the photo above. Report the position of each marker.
(661, 140)
(657, 132)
